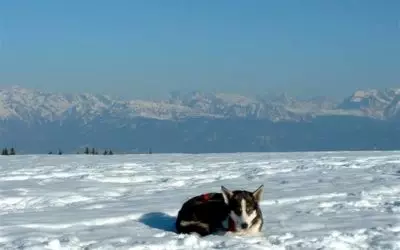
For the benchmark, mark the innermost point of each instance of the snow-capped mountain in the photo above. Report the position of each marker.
(392, 111)
(375, 103)
(32, 105)
(29, 105)
(35, 121)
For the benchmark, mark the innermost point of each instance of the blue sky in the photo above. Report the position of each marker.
(144, 49)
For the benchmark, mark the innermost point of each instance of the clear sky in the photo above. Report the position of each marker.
(147, 48)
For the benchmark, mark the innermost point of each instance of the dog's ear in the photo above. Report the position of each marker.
(227, 194)
(258, 193)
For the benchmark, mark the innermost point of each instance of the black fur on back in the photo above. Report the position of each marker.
(211, 212)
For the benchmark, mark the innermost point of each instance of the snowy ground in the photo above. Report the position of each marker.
(311, 201)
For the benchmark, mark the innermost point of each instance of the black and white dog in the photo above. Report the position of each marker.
(235, 212)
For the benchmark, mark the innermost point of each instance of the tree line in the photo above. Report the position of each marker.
(87, 151)
(94, 151)
(7, 151)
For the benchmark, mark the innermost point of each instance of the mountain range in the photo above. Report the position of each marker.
(33, 121)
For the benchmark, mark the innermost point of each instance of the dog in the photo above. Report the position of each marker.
(234, 212)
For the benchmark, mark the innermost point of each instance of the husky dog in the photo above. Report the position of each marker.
(236, 212)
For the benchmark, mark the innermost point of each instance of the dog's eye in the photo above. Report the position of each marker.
(238, 210)
(249, 208)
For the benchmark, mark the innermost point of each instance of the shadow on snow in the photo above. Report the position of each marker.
(159, 220)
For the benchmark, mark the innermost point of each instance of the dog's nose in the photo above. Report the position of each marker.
(245, 225)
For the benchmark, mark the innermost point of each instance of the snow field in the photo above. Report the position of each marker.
(341, 200)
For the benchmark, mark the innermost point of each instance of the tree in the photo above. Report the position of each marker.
(4, 152)
(50, 153)
(87, 150)
(110, 152)
(105, 152)
(60, 152)
(12, 151)
(93, 151)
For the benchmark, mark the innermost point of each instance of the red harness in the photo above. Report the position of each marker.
(231, 223)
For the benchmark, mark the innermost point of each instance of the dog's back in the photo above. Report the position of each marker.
(202, 214)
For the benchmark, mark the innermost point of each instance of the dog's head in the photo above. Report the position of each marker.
(243, 206)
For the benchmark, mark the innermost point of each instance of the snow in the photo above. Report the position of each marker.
(342, 200)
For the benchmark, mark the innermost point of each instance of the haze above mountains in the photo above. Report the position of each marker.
(195, 122)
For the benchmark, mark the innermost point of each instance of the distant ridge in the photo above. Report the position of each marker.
(195, 122)
(31, 105)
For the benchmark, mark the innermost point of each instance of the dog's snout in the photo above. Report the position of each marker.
(245, 225)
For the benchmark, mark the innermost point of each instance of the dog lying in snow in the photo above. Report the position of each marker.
(236, 212)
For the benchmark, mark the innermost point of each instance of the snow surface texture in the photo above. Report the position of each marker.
(311, 201)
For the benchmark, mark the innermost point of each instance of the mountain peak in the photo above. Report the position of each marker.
(31, 105)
